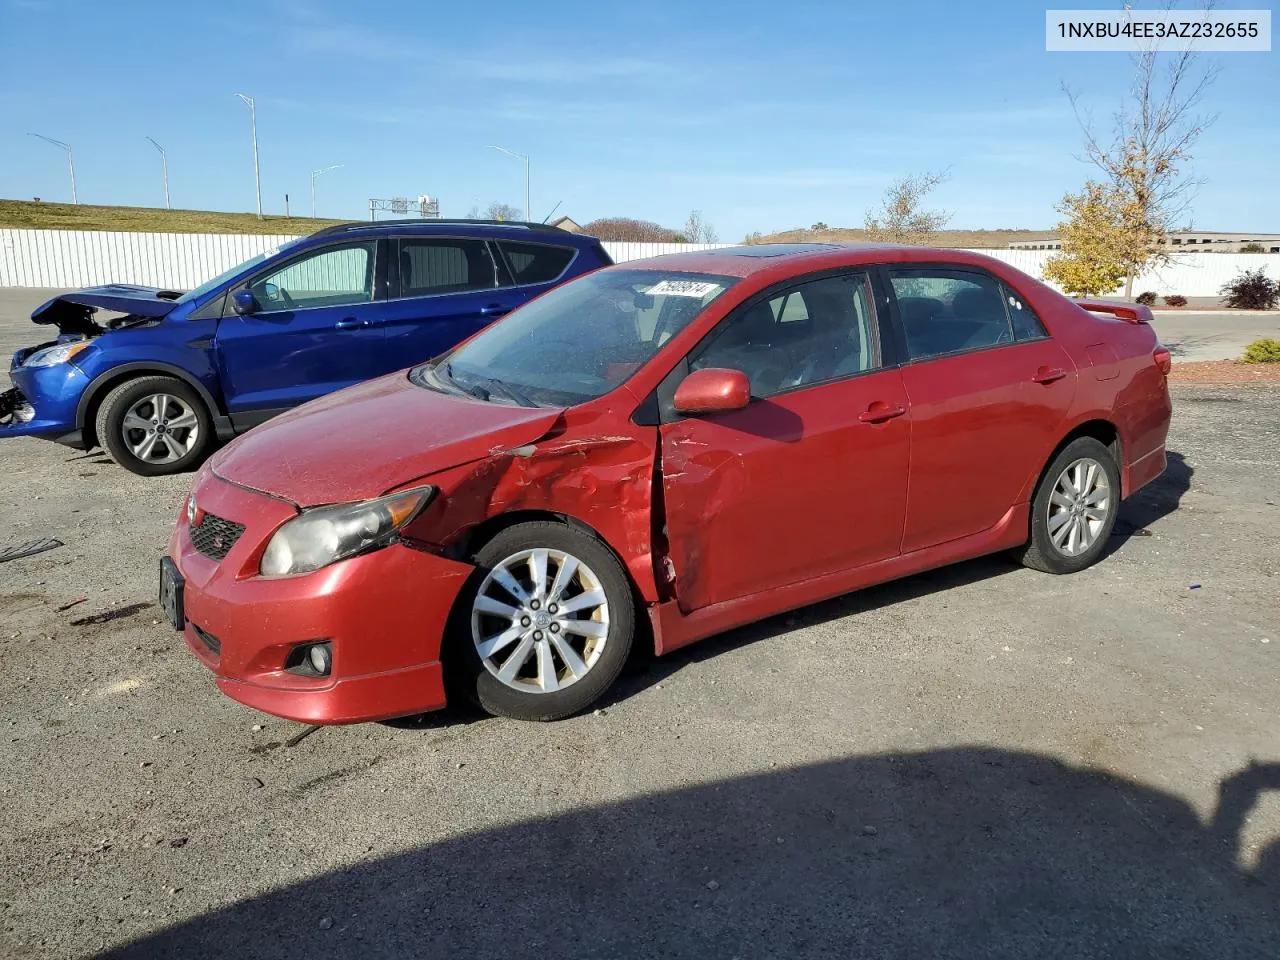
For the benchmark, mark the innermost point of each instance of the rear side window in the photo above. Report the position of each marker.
(949, 311)
(1026, 325)
(435, 265)
(535, 262)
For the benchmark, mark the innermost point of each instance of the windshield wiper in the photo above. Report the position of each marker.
(510, 392)
(484, 388)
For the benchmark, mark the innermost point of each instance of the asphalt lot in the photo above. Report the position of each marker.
(980, 762)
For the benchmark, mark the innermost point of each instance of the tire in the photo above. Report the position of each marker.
(128, 417)
(534, 639)
(1054, 547)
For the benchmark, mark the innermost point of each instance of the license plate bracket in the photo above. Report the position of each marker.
(171, 584)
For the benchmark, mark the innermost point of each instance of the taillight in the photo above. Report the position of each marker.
(1163, 359)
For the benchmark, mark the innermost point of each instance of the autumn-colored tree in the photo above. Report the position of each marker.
(628, 229)
(1105, 240)
(1145, 159)
(901, 218)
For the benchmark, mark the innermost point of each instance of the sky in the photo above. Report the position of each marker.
(763, 115)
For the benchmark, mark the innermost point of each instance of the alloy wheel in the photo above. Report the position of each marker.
(160, 428)
(1079, 506)
(540, 620)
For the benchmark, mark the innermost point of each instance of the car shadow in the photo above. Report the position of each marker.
(646, 669)
(971, 852)
(1157, 499)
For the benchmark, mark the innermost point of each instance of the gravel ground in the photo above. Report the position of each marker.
(980, 762)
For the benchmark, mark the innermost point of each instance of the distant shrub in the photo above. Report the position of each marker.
(1175, 300)
(819, 226)
(1252, 290)
(1266, 350)
(1148, 298)
(1253, 248)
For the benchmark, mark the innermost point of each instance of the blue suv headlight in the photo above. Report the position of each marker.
(58, 353)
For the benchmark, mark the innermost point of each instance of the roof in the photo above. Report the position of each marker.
(783, 258)
(509, 228)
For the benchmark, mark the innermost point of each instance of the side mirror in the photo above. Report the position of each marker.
(244, 303)
(713, 390)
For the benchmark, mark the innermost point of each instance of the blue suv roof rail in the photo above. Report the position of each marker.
(425, 222)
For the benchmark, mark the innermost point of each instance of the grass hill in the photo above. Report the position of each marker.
(29, 215)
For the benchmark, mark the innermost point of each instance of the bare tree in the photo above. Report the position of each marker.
(1150, 143)
(901, 218)
(503, 211)
(628, 229)
(697, 230)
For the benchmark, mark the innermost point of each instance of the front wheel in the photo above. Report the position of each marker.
(153, 426)
(1074, 508)
(545, 625)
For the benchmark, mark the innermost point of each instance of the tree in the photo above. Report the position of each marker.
(1253, 248)
(901, 219)
(628, 229)
(1150, 144)
(697, 230)
(1104, 240)
(503, 211)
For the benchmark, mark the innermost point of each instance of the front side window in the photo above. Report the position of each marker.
(821, 330)
(577, 342)
(535, 262)
(435, 265)
(949, 311)
(331, 277)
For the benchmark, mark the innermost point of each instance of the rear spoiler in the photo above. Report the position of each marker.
(1131, 312)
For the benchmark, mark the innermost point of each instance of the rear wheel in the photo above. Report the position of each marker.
(154, 425)
(545, 625)
(1074, 508)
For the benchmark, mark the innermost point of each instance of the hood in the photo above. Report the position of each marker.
(121, 297)
(359, 443)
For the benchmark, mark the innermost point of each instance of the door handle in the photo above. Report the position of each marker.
(879, 412)
(350, 323)
(494, 310)
(1048, 375)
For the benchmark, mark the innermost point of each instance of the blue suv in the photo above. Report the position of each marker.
(354, 301)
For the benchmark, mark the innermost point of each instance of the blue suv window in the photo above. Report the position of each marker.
(434, 265)
(535, 262)
(331, 277)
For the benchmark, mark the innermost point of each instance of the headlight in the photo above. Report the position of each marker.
(191, 510)
(52, 356)
(324, 535)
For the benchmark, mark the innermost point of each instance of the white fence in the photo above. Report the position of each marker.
(81, 258)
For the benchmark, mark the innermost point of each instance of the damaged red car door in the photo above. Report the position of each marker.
(811, 476)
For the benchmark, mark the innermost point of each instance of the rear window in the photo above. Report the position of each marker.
(535, 262)
(444, 265)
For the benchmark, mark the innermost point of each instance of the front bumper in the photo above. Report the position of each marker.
(384, 613)
(53, 393)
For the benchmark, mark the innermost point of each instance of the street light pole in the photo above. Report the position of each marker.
(314, 175)
(71, 162)
(519, 156)
(253, 120)
(164, 163)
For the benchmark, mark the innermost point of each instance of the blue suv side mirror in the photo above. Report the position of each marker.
(244, 302)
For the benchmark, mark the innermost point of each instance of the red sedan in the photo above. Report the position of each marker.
(654, 453)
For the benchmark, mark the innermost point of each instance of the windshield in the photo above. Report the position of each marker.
(577, 342)
(210, 285)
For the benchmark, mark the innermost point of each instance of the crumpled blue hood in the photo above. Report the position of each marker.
(121, 297)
